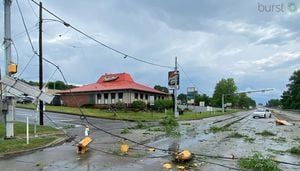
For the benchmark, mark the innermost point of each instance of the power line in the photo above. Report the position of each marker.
(125, 55)
(189, 79)
(24, 24)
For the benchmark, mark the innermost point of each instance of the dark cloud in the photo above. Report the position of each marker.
(212, 39)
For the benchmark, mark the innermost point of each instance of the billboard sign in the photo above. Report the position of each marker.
(173, 79)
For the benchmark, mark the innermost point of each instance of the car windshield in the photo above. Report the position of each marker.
(260, 110)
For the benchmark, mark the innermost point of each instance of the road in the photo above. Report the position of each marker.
(195, 136)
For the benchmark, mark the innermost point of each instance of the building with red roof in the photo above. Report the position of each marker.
(110, 89)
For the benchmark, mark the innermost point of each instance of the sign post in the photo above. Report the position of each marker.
(173, 82)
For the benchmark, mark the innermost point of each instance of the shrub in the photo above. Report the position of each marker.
(139, 105)
(163, 104)
(120, 105)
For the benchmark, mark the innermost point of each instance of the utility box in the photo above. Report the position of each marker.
(12, 68)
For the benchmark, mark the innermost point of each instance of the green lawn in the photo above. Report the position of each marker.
(19, 143)
(129, 115)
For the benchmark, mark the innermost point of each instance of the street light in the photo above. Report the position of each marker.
(241, 92)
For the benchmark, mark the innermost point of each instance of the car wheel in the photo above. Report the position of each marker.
(270, 116)
(265, 116)
(254, 117)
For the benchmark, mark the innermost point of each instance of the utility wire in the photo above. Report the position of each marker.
(83, 116)
(125, 55)
(24, 24)
(189, 79)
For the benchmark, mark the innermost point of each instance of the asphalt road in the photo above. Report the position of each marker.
(194, 136)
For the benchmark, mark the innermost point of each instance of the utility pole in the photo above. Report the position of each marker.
(175, 90)
(41, 104)
(223, 103)
(9, 112)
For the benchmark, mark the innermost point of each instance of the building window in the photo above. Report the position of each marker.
(105, 98)
(155, 98)
(120, 96)
(142, 96)
(136, 95)
(99, 96)
(163, 97)
(146, 96)
(105, 95)
(113, 97)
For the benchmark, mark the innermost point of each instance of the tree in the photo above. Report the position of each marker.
(161, 88)
(245, 102)
(59, 85)
(182, 97)
(291, 97)
(227, 87)
(202, 97)
(273, 103)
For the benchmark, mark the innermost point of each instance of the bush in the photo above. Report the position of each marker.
(120, 105)
(258, 162)
(163, 104)
(139, 105)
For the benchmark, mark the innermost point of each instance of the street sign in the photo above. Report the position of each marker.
(191, 93)
(27, 89)
(173, 79)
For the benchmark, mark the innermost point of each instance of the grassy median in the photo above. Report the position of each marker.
(127, 115)
(19, 142)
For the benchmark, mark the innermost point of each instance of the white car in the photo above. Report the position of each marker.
(261, 113)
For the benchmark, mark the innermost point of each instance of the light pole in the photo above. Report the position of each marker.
(241, 92)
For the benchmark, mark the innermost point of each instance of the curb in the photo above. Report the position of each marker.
(56, 142)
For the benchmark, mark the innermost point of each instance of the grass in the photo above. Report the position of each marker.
(20, 129)
(237, 135)
(266, 133)
(127, 115)
(125, 131)
(19, 143)
(13, 145)
(295, 150)
(215, 129)
(279, 139)
(249, 139)
(258, 162)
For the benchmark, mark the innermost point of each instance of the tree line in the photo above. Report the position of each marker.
(229, 89)
(290, 99)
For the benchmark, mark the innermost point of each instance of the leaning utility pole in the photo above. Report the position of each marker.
(41, 104)
(175, 90)
(8, 103)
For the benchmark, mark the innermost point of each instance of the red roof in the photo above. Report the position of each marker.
(119, 81)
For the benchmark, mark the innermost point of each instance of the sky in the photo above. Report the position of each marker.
(255, 42)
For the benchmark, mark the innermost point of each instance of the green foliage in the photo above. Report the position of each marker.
(291, 97)
(202, 97)
(245, 102)
(161, 88)
(139, 105)
(237, 135)
(182, 97)
(125, 131)
(273, 103)
(258, 162)
(266, 133)
(215, 129)
(160, 104)
(120, 105)
(295, 150)
(225, 86)
(170, 126)
(249, 139)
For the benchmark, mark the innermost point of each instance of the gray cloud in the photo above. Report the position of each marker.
(212, 40)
